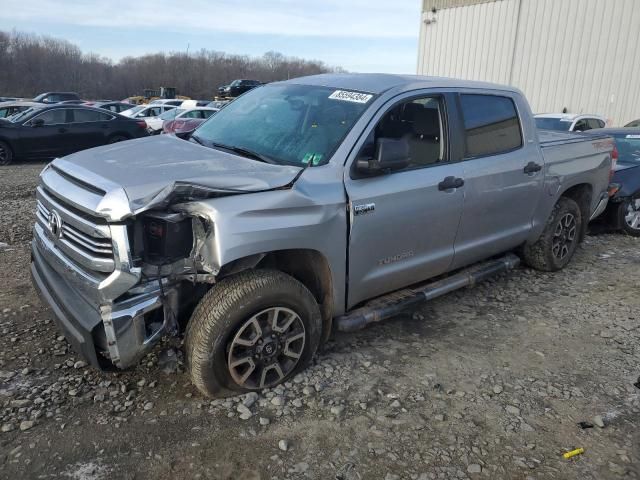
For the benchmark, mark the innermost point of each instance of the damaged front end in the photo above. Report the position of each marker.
(119, 273)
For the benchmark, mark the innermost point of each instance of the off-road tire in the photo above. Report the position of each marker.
(622, 212)
(225, 308)
(539, 255)
(6, 154)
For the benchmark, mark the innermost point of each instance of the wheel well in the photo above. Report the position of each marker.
(120, 134)
(309, 267)
(581, 194)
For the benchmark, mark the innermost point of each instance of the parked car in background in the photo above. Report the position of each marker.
(319, 203)
(147, 111)
(569, 122)
(237, 87)
(154, 125)
(176, 102)
(194, 103)
(116, 107)
(623, 211)
(11, 108)
(218, 104)
(52, 131)
(55, 97)
(184, 127)
(633, 124)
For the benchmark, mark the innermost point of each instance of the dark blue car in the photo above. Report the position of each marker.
(623, 211)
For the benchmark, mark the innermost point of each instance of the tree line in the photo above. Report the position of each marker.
(31, 64)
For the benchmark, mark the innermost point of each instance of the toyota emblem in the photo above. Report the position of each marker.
(54, 222)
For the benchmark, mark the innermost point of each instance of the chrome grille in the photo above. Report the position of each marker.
(82, 239)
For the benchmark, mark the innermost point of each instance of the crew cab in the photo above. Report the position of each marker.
(316, 204)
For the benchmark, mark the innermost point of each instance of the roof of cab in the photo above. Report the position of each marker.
(378, 83)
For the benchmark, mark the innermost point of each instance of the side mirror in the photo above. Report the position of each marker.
(38, 122)
(390, 155)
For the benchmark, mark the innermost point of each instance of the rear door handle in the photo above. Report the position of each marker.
(532, 167)
(450, 183)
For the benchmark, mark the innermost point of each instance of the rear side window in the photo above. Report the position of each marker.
(595, 123)
(491, 124)
(83, 116)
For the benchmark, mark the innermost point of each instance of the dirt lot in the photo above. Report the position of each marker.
(489, 382)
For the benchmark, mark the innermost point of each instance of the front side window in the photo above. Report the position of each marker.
(491, 124)
(53, 117)
(286, 123)
(419, 123)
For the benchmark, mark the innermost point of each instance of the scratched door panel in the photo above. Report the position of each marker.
(403, 229)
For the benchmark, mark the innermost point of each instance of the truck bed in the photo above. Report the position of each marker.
(550, 138)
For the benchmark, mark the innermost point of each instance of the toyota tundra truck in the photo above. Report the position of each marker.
(315, 204)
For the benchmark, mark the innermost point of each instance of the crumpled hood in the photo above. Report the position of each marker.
(151, 169)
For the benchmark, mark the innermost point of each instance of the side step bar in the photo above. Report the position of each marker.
(394, 303)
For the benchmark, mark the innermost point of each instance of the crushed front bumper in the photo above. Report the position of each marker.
(111, 333)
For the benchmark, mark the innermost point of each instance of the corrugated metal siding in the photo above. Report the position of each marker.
(427, 5)
(580, 54)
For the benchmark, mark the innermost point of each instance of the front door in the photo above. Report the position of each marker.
(47, 134)
(404, 223)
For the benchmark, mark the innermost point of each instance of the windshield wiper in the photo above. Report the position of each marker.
(197, 140)
(244, 152)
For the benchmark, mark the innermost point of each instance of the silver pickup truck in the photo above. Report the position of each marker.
(319, 203)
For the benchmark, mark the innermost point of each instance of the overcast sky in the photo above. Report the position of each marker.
(359, 35)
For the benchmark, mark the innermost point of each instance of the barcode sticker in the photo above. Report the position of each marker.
(347, 96)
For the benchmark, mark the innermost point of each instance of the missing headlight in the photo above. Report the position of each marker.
(167, 237)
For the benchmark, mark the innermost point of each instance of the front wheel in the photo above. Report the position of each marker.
(251, 331)
(6, 154)
(629, 215)
(559, 239)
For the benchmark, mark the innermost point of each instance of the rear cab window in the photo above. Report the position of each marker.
(491, 124)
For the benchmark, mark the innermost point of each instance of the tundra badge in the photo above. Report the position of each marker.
(363, 209)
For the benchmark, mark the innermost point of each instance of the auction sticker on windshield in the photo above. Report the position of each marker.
(347, 96)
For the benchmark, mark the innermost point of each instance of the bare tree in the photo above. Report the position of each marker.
(31, 64)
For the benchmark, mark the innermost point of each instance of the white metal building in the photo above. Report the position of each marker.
(582, 55)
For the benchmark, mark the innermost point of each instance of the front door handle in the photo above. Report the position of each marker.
(532, 167)
(449, 183)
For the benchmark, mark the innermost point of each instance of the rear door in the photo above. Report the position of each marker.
(88, 128)
(402, 224)
(503, 172)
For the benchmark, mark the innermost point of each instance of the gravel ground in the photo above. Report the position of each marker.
(488, 382)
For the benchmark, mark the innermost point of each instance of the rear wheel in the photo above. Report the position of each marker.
(251, 331)
(629, 215)
(6, 154)
(559, 239)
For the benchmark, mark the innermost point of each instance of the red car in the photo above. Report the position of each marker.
(182, 127)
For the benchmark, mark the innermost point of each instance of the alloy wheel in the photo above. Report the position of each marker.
(266, 348)
(632, 214)
(564, 236)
